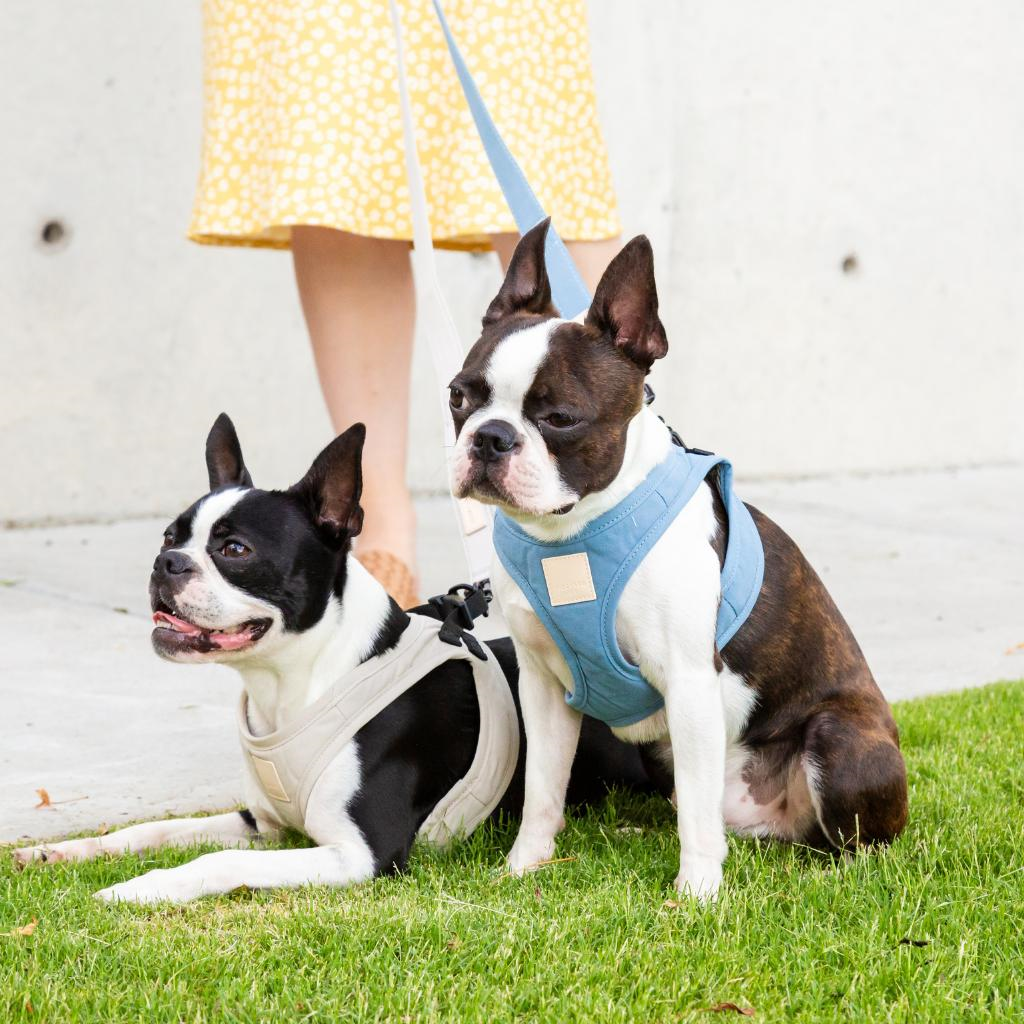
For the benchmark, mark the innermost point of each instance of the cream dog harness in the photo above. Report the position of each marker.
(287, 764)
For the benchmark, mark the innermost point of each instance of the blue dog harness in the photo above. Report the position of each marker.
(574, 586)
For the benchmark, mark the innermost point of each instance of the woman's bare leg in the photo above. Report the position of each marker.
(360, 307)
(590, 258)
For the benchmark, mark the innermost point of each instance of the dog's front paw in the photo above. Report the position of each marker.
(528, 853)
(54, 853)
(699, 878)
(159, 886)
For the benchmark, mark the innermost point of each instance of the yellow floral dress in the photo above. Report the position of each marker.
(302, 124)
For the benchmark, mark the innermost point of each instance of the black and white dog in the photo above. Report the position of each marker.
(784, 733)
(265, 581)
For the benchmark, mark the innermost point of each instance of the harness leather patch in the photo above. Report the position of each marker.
(568, 579)
(270, 780)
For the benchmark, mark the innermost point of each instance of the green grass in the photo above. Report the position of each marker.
(795, 936)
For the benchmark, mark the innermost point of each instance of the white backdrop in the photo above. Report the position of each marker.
(759, 145)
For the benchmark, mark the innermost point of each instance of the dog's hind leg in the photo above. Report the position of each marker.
(235, 828)
(856, 777)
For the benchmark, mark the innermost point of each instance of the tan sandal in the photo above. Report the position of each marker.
(393, 575)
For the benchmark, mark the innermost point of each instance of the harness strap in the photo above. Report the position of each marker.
(288, 763)
(475, 796)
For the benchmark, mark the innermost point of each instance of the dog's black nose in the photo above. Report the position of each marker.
(174, 563)
(494, 440)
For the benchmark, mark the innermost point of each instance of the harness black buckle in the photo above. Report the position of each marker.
(459, 608)
(674, 434)
(680, 443)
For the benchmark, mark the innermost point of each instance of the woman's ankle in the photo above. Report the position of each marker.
(390, 526)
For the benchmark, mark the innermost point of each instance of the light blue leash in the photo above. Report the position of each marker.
(567, 288)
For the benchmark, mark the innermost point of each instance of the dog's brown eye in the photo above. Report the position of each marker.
(455, 397)
(234, 549)
(560, 420)
(168, 539)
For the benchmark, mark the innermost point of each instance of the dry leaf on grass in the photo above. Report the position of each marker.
(25, 929)
(507, 874)
(672, 904)
(45, 801)
(743, 1011)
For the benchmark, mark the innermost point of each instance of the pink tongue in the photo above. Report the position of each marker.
(178, 625)
(230, 641)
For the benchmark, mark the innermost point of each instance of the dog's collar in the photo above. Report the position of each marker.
(287, 763)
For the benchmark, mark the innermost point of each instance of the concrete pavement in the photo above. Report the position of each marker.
(927, 567)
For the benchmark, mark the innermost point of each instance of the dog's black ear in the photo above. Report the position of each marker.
(224, 456)
(334, 483)
(626, 304)
(526, 288)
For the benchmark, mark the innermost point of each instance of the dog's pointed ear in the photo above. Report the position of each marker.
(224, 456)
(334, 483)
(626, 305)
(526, 288)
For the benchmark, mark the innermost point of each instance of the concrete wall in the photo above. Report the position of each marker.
(761, 146)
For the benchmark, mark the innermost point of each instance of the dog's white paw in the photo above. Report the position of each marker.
(699, 878)
(528, 853)
(159, 886)
(54, 853)
(43, 854)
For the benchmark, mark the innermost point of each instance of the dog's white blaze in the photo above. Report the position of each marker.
(515, 361)
(212, 508)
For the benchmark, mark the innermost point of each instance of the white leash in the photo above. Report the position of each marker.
(435, 320)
